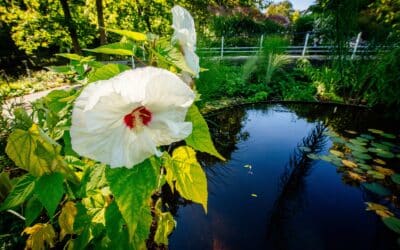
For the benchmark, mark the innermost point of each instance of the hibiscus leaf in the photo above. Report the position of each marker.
(40, 153)
(200, 139)
(21, 191)
(106, 72)
(49, 191)
(132, 190)
(120, 48)
(32, 210)
(117, 232)
(190, 179)
(165, 225)
(67, 218)
(136, 36)
(40, 236)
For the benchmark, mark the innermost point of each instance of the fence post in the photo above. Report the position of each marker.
(305, 44)
(222, 47)
(356, 45)
(261, 42)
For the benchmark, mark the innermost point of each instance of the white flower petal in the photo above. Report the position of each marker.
(183, 24)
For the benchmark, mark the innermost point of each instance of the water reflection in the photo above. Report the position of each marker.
(299, 203)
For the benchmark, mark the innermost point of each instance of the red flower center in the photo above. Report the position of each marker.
(138, 117)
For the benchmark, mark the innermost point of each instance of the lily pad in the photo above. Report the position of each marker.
(375, 131)
(389, 144)
(349, 164)
(380, 146)
(313, 156)
(393, 223)
(361, 155)
(355, 147)
(358, 142)
(364, 166)
(366, 136)
(336, 153)
(376, 175)
(380, 161)
(389, 136)
(396, 178)
(377, 188)
(352, 132)
(385, 154)
(358, 170)
(338, 140)
(326, 158)
(384, 171)
(305, 149)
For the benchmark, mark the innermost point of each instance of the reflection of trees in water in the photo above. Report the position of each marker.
(292, 185)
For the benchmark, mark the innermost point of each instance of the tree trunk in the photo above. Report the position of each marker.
(71, 26)
(100, 21)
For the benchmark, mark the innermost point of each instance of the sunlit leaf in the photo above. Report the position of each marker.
(366, 136)
(379, 161)
(349, 164)
(326, 158)
(106, 72)
(389, 136)
(384, 171)
(120, 48)
(313, 156)
(377, 188)
(74, 57)
(375, 131)
(132, 189)
(361, 155)
(352, 132)
(21, 191)
(254, 195)
(357, 142)
(41, 236)
(380, 146)
(49, 190)
(355, 176)
(393, 223)
(380, 210)
(364, 166)
(200, 139)
(165, 225)
(337, 153)
(67, 218)
(190, 179)
(355, 147)
(136, 36)
(116, 229)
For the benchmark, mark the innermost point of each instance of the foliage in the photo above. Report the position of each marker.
(86, 203)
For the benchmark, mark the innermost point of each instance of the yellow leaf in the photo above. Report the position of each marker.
(355, 176)
(349, 164)
(380, 161)
(40, 235)
(384, 171)
(337, 153)
(67, 219)
(380, 210)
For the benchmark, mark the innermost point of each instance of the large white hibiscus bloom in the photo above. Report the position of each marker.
(185, 34)
(121, 121)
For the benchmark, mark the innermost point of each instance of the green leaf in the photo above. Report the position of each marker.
(22, 119)
(93, 180)
(73, 57)
(106, 72)
(116, 229)
(49, 191)
(39, 155)
(5, 185)
(32, 211)
(58, 100)
(393, 223)
(377, 188)
(132, 190)
(396, 178)
(67, 149)
(165, 225)
(120, 49)
(190, 179)
(136, 36)
(21, 191)
(200, 139)
(66, 69)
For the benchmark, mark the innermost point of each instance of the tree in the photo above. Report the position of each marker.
(100, 21)
(71, 27)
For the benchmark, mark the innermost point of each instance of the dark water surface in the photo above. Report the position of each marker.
(285, 200)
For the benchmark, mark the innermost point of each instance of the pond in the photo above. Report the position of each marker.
(275, 192)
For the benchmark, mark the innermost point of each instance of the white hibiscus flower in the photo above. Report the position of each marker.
(121, 121)
(185, 35)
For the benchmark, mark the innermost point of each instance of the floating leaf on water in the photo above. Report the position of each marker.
(313, 156)
(305, 149)
(349, 164)
(331, 133)
(361, 156)
(384, 171)
(380, 161)
(358, 142)
(352, 132)
(389, 136)
(358, 170)
(326, 158)
(377, 188)
(385, 154)
(396, 178)
(373, 150)
(337, 153)
(337, 163)
(338, 140)
(380, 210)
(376, 175)
(389, 144)
(355, 147)
(364, 166)
(366, 136)
(393, 223)
(355, 176)
(375, 131)
(254, 195)
(380, 146)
